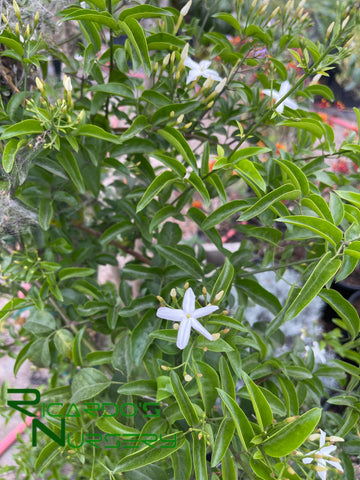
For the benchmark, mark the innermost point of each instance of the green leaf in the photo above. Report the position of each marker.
(71, 272)
(150, 455)
(175, 138)
(99, 358)
(240, 154)
(227, 382)
(46, 456)
(286, 191)
(293, 435)
(97, 132)
(199, 186)
(260, 295)
(155, 188)
(321, 227)
(249, 172)
(21, 357)
(138, 305)
(242, 424)
(181, 462)
(222, 213)
(337, 208)
(322, 90)
(207, 385)
(322, 273)
(353, 249)
(144, 11)
(199, 456)
(69, 164)
(87, 383)
(137, 126)
(139, 387)
(77, 353)
(216, 182)
(112, 232)
(181, 259)
(103, 18)
(46, 212)
(161, 215)
(313, 126)
(164, 41)
(40, 323)
(177, 167)
(260, 405)
(223, 438)
(10, 151)
(26, 127)
(319, 206)
(295, 174)
(344, 309)
(140, 339)
(228, 18)
(138, 40)
(110, 425)
(64, 341)
(224, 280)
(184, 402)
(12, 44)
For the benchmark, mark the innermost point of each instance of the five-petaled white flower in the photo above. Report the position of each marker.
(187, 316)
(284, 88)
(200, 70)
(322, 457)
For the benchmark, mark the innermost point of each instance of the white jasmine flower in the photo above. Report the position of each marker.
(322, 457)
(200, 70)
(284, 88)
(187, 317)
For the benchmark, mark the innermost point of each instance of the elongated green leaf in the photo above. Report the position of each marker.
(137, 39)
(155, 188)
(337, 208)
(322, 90)
(242, 424)
(224, 280)
(103, 18)
(229, 469)
(216, 182)
(223, 439)
(26, 127)
(181, 461)
(281, 193)
(247, 152)
(296, 175)
(47, 455)
(175, 138)
(260, 405)
(71, 272)
(161, 215)
(177, 167)
(207, 385)
(290, 437)
(184, 402)
(181, 259)
(21, 357)
(112, 88)
(88, 383)
(175, 109)
(110, 425)
(223, 212)
(353, 249)
(10, 150)
(199, 186)
(113, 231)
(144, 11)
(260, 295)
(199, 456)
(227, 382)
(138, 305)
(137, 126)
(319, 206)
(321, 227)
(249, 172)
(313, 126)
(352, 197)
(149, 455)
(69, 164)
(46, 213)
(140, 339)
(139, 387)
(322, 273)
(12, 44)
(228, 19)
(344, 309)
(164, 41)
(97, 132)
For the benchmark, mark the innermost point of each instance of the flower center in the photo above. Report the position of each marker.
(188, 315)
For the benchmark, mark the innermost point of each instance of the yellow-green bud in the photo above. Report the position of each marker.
(17, 10)
(186, 286)
(185, 9)
(36, 19)
(180, 119)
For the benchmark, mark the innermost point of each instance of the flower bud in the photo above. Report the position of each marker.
(186, 286)
(17, 28)
(274, 13)
(164, 367)
(345, 22)
(187, 378)
(209, 105)
(215, 336)
(220, 86)
(185, 52)
(218, 296)
(180, 119)
(160, 299)
(329, 30)
(172, 58)
(173, 293)
(185, 9)
(334, 438)
(27, 31)
(39, 84)
(188, 125)
(166, 61)
(204, 291)
(36, 19)
(200, 436)
(4, 19)
(176, 326)
(17, 10)
(67, 83)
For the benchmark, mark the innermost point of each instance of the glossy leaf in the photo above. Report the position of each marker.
(260, 405)
(87, 383)
(223, 438)
(321, 227)
(184, 402)
(344, 309)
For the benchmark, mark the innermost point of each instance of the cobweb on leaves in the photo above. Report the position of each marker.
(15, 218)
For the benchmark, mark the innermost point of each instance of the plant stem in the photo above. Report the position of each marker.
(277, 267)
